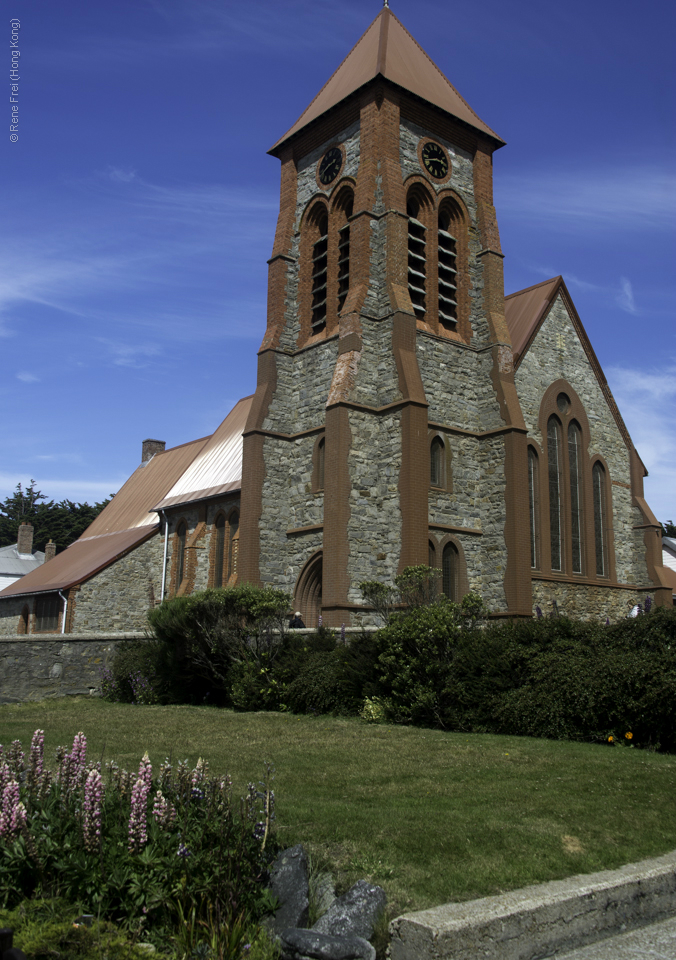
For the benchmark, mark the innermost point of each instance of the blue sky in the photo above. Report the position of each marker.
(140, 204)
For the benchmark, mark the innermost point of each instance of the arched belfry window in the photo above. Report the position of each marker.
(344, 212)
(554, 459)
(181, 533)
(576, 495)
(320, 272)
(600, 519)
(534, 507)
(417, 258)
(437, 456)
(447, 271)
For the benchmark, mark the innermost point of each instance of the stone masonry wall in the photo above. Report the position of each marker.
(374, 527)
(10, 611)
(301, 381)
(585, 601)
(458, 384)
(35, 668)
(378, 382)
(556, 353)
(288, 503)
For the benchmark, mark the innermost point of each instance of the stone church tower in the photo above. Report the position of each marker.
(386, 429)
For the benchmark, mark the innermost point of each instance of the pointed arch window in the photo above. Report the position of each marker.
(344, 257)
(554, 475)
(320, 274)
(321, 453)
(576, 498)
(450, 563)
(600, 519)
(417, 259)
(181, 533)
(437, 451)
(233, 543)
(533, 507)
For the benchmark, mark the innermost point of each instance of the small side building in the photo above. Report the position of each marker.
(19, 558)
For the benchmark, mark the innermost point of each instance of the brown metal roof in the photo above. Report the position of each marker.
(387, 49)
(131, 506)
(217, 468)
(123, 524)
(525, 309)
(80, 561)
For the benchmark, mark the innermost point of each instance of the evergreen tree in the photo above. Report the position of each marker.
(61, 522)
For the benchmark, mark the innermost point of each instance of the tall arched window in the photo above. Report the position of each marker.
(233, 535)
(345, 209)
(320, 274)
(447, 271)
(309, 591)
(450, 563)
(417, 259)
(437, 451)
(576, 498)
(600, 519)
(321, 452)
(533, 507)
(554, 458)
(219, 552)
(181, 533)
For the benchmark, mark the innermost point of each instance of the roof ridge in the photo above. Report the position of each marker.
(533, 287)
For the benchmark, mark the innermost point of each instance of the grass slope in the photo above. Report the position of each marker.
(431, 816)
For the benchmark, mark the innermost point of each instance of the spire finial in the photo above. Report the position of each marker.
(386, 4)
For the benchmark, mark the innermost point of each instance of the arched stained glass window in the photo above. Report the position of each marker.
(533, 506)
(554, 475)
(575, 472)
(600, 520)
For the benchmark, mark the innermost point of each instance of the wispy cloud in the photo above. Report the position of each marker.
(625, 298)
(26, 377)
(131, 354)
(57, 489)
(640, 198)
(647, 400)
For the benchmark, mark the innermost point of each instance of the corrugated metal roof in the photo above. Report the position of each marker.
(217, 468)
(524, 310)
(18, 564)
(389, 50)
(79, 561)
(131, 506)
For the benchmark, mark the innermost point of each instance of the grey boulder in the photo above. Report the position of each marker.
(310, 945)
(355, 913)
(289, 883)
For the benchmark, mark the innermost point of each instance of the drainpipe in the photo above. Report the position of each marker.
(164, 562)
(65, 612)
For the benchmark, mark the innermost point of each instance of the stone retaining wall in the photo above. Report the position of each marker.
(36, 668)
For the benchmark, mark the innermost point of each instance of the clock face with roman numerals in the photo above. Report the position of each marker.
(435, 160)
(329, 166)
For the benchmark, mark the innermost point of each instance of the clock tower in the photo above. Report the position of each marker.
(385, 430)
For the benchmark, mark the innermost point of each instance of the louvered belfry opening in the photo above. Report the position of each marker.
(344, 253)
(417, 259)
(320, 275)
(447, 269)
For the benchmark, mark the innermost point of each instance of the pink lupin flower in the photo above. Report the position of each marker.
(91, 811)
(10, 799)
(145, 771)
(163, 811)
(138, 827)
(36, 759)
(18, 818)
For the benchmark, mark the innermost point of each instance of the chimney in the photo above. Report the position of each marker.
(24, 542)
(50, 551)
(150, 448)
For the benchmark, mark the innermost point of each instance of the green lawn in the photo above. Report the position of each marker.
(431, 816)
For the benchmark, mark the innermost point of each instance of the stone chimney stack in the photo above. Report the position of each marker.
(50, 551)
(24, 543)
(150, 448)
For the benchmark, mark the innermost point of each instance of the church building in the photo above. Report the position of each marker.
(406, 411)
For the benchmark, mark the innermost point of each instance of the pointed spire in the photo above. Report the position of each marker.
(387, 49)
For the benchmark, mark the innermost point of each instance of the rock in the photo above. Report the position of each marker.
(289, 883)
(355, 913)
(310, 945)
(323, 892)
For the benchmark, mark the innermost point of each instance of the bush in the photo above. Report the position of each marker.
(133, 849)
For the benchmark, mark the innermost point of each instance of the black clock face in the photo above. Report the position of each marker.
(330, 165)
(435, 160)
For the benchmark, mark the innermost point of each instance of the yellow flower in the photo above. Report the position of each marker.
(629, 736)
(611, 739)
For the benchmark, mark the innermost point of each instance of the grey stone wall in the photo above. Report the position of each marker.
(303, 383)
(35, 668)
(585, 601)
(10, 611)
(374, 527)
(458, 384)
(288, 503)
(557, 353)
(378, 382)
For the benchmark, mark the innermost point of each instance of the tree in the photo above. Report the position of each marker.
(61, 522)
(668, 529)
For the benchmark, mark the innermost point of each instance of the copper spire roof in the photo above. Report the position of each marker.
(387, 49)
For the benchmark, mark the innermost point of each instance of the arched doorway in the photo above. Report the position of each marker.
(309, 591)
